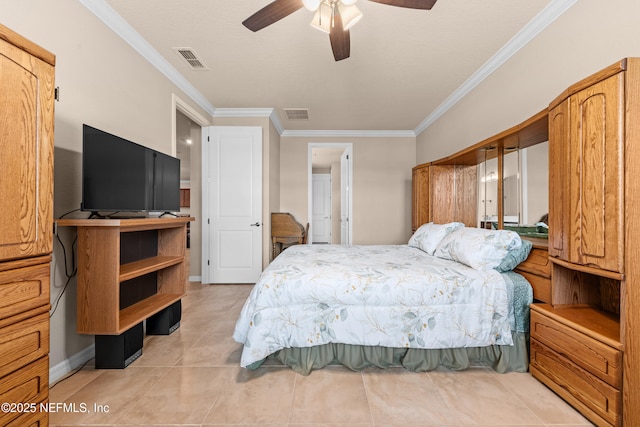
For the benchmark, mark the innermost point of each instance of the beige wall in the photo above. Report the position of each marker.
(381, 185)
(105, 83)
(585, 39)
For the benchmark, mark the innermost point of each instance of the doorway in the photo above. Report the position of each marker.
(187, 123)
(335, 160)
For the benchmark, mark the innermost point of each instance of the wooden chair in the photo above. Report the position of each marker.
(286, 231)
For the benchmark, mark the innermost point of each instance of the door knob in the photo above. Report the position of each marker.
(257, 224)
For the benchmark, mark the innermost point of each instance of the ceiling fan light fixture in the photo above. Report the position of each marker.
(322, 19)
(311, 5)
(334, 17)
(350, 15)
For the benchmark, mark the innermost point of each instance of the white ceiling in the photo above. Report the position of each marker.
(405, 64)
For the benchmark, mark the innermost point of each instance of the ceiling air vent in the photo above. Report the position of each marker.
(191, 58)
(296, 113)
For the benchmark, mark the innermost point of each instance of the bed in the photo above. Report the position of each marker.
(447, 298)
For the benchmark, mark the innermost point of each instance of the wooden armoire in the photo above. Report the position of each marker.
(584, 344)
(26, 226)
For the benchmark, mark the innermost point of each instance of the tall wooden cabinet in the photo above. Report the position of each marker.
(585, 345)
(420, 196)
(559, 165)
(596, 182)
(26, 223)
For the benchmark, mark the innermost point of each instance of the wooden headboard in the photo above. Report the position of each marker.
(446, 190)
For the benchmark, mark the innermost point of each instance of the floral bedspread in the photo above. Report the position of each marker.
(391, 296)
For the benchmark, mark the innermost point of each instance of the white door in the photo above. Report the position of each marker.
(321, 213)
(345, 198)
(231, 204)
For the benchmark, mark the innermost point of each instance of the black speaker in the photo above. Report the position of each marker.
(119, 351)
(166, 321)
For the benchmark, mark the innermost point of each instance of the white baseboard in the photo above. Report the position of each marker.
(67, 366)
(195, 279)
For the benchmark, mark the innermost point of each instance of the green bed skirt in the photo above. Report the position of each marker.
(502, 358)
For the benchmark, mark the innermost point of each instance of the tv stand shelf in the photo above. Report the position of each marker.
(147, 265)
(140, 311)
(128, 270)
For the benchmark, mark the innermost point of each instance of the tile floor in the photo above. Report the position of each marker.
(192, 378)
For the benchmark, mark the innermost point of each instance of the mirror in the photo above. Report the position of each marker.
(488, 193)
(525, 185)
(534, 171)
(511, 187)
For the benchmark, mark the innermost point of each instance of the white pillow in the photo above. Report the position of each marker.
(429, 235)
(478, 248)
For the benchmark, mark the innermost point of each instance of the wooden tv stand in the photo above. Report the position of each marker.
(128, 270)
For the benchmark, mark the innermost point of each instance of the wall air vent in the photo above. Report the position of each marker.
(191, 58)
(296, 113)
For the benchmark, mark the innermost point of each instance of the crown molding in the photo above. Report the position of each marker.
(251, 112)
(243, 112)
(118, 25)
(517, 42)
(349, 133)
(271, 114)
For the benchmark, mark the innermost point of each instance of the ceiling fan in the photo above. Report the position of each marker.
(335, 17)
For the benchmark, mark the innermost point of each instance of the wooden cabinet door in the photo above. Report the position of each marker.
(443, 202)
(466, 190)
(596, 175)
(26, 154)
(420, 199)
(559, 164)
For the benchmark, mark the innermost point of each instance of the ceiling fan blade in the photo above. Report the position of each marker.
(271, 13)
(340, 39)
(412, 4)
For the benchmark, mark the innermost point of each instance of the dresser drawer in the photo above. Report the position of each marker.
(596, 399)
(537, 270)
(536, 263)
(23, 342)
(24, 289)
(34, 419)
(541, 286)
(29, 384)
(601, 360)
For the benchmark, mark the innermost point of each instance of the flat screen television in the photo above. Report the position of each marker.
(121, 176)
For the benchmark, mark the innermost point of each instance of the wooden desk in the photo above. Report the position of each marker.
(286, 231)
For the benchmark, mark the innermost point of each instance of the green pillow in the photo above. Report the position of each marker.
(515, 257)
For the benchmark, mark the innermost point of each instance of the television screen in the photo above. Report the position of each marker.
(166, 178)
(120, 175)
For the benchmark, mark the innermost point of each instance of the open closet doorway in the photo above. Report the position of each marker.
(187, 126)
(330, 176)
